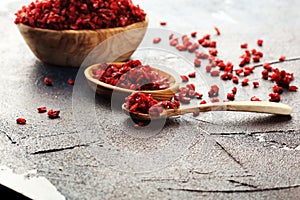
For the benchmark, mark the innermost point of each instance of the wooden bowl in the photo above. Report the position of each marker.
(106, 90)
(71, 47)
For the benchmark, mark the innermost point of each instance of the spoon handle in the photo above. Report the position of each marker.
(244, 106)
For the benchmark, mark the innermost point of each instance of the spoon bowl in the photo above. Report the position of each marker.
(106, 90)
(242, 106)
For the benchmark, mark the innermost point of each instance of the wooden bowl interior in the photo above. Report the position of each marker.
(107, 89)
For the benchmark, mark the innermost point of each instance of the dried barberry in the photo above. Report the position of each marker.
(70, 81)
(21, 121)
(76, 15)
(156, 40)
(53, 114)
(42, 109)
(254, 98)
(260, 42)
(274, 97)
(48, 81)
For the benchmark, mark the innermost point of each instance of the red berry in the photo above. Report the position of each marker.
(194, 34)
(245, 82)
(208, 68)
(255, 84)
(256, 58)
(254, 98)
(213, 51)
(234, 90)
(274, 97)
(214, 91)
(192, 74)
(42, 109)
(260, 42)
(48, 81)
(235, 79)
(277, 89)
(230, 96)
(244, 46)
(217, 30)
(21, 121)
(293, 88)
(203, 102)
(267, 66)
(52, 114)
(184, 78)
(197, 62)
(70, 81)
(215, 73)
(156, 40)
(282, 58)
(163, 23)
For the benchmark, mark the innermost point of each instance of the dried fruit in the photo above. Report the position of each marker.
(184, 78)
(77, 15)
(230, 96)
(214, 91)
(192, 74)
(217, 30)
(282, 58)
(194, 34)
(254, 98)
(234, 90)
(260, 42)
(156, 40)
(163, 23)
(202, 102)
(281, 77)
(131, 75)
(215, 73)
(42, 109)
(197, 62)
(293, 88)
(255, 84)
(21, 121)
(53, 114)
(48, 81)
(70, 81)
(244, 46)
(274, 97)
(245, 82)
(277, 89)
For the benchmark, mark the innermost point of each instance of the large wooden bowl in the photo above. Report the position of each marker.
(106, 90)
(71, 47)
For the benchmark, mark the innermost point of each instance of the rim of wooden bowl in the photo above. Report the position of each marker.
(130, 26)
(173, 88)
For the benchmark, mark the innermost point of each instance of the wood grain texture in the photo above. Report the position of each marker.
(106, 90)
(71, 47)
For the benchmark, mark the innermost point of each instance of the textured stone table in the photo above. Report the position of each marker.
(215, 155)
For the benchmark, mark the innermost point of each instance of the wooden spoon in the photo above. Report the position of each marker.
(244, 106)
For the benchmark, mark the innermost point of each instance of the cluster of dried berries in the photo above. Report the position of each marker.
(48, 81)
(131, 75)
(217, 65)
(144, 103)
(52, 114)
(187, 93)
(77, 15)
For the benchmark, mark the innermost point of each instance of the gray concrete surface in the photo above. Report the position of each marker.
(213, 156)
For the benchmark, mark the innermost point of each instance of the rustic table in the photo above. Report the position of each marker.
(90, 152)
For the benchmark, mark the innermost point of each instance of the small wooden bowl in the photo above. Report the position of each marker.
(71, 47)
(106, 89)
